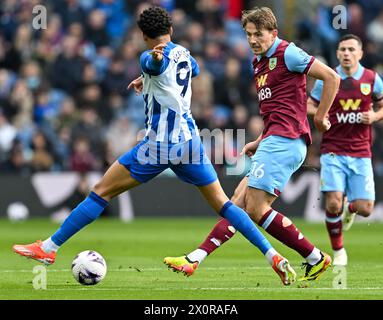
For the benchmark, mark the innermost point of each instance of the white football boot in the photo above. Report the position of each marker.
(347, 217)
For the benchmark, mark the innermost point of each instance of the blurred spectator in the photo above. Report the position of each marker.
(70, 11)
(233, 88)
(16, 161)
(355, 22)
(375, 31)
(21, 100)
(328, 36)
(203, 90)
(82, 159)
(96, 30)
(67, 69)
(9, 57)
(90, 127)
(116, 79)
(121, 136)
(42, 153)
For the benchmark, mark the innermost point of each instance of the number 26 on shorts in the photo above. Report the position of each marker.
(257, 170)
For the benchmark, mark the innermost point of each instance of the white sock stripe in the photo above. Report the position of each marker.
(333, 220)
(269, 219)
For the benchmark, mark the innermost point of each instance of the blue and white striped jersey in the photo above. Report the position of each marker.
(167, 94)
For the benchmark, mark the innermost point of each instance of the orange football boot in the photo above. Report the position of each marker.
(36, 252)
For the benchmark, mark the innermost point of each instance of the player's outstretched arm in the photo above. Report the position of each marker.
(331, 81)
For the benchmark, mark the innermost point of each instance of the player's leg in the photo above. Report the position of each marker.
(274, 162)
(126, 173)
(333, 207)
(203, 175)
(221, 232)
(116, 180)
(333, 177)
(360, 190)
(241, 221)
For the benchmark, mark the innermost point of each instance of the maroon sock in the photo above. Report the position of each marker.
(334, 228)
(351, 207)
(272, 222)
(221, 232)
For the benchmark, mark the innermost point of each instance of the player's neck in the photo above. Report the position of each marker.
(350, 71)
(161, 39)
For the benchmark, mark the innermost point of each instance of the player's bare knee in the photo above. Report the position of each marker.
(102, 190)
(254, 213)
(365, 209)
(334, 206)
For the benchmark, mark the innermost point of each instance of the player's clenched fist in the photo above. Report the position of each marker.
(322, 123)
(250, 148)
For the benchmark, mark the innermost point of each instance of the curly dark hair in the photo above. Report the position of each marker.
(154, 22)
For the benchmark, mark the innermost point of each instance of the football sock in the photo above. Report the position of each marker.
(314, 257)
(270, 254)
(285, 231)
(197, 255)
(221, 232)
(242, 222)
(86, 212)
(334, 229)
(48, 245)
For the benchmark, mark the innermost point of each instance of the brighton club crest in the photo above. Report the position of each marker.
(365, 88)
(272, 63)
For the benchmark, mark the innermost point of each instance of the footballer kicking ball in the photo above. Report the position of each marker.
(89, 267)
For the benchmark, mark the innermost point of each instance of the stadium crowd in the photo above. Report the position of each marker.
(64, 103)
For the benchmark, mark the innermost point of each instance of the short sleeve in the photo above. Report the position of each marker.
(377, 92)
(297, 60)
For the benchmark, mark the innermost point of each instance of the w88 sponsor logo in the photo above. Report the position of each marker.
(351, 117)
(264, 93)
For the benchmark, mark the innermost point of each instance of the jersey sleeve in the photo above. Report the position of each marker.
(316, 92)
(195, 67)
(377, 92)
(151, 66)
(297, 60)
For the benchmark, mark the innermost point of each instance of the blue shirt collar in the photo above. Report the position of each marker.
(272, 49)
(357, 75)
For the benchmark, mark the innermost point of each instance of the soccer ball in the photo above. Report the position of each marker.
(89, 267)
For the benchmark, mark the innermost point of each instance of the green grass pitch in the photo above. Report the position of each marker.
(134, 253)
